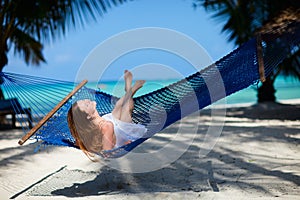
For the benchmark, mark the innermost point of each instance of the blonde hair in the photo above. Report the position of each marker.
(88, 136)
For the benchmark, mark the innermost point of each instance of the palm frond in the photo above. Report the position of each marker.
(27, 47)
(27, 24)
(48, 20)
(294, 61)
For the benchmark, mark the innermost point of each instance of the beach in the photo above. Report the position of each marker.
(255, 156)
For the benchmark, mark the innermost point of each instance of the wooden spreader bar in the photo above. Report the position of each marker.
(51, 113)
(260, 58)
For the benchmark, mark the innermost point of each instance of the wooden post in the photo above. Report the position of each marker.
(51, 113)
(260, 59)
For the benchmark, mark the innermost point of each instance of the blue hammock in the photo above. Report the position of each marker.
(158, 109)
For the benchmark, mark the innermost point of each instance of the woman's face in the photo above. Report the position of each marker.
(87, 106)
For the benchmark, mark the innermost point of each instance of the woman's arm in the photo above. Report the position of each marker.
(109, 138)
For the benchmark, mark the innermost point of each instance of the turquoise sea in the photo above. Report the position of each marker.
(287, 88)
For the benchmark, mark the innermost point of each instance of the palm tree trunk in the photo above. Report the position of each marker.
(3, 62)
(266, 92)
(1, 94)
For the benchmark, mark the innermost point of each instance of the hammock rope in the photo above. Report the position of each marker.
(158, 109)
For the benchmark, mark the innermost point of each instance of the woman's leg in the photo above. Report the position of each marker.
(119, 104)
(124, 106)
(128, 80)
(127, 108)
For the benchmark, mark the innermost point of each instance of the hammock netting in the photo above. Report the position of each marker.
(158, 109)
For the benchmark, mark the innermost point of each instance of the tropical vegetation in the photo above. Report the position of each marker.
(243, 19)
(26, 25)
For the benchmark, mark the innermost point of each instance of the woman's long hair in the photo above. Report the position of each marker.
(84, 132)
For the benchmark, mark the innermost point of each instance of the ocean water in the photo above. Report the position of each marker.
(41, 99)
(287, 88)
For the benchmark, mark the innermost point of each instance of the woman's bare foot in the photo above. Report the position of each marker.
(128, 80)
(137, 85)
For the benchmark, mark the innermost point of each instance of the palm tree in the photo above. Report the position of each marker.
(244, 18)
(27, 24)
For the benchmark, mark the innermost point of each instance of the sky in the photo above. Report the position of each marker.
(105, 45)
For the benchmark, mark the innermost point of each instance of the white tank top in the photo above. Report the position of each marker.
(125, 131)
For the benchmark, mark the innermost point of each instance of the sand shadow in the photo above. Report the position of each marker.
(269, 110)
(189, 173)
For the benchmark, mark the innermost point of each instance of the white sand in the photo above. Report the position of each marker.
(256, 157)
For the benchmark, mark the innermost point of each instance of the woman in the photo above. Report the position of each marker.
(94, 133)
